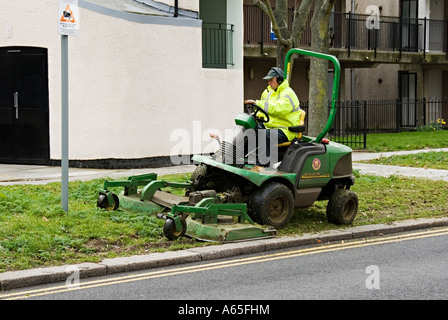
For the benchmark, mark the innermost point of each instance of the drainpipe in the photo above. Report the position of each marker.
(176, 8)
(352, 71)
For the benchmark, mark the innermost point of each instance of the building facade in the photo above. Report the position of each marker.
(139, 89)
(394, 50)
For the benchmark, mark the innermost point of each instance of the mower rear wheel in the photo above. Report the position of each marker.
(272, 205)
(102, 202)
(201, 170)
(169, 229)
(342, 207)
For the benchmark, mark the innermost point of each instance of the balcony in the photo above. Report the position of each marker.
(353, 39)
(217, 42)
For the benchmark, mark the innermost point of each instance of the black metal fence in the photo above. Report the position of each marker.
(385, 33)
(257, 27)
(355, 119)
(358, 32)
(217, 45)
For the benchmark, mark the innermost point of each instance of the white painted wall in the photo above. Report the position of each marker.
(184, 4)
(131, 84)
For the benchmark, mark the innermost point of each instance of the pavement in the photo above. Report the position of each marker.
(11, 174)
(386, 171)
(34, 174)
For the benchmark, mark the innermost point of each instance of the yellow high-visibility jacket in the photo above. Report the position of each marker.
(283, 108)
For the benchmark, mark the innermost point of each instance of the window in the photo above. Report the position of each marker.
(409, 29)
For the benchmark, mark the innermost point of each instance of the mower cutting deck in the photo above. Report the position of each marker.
(202, 215)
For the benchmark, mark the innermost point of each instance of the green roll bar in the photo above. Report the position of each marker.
(337, 76)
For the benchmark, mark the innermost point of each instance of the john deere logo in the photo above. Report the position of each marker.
(316, 164)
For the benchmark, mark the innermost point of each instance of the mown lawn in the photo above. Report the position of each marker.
(433, 160)
(35, 231)
(382, 142)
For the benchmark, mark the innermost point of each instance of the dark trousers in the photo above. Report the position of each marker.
(267, 141)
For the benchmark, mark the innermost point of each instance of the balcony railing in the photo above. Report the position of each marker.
(257, 28)
(217, 45)
(351, 31)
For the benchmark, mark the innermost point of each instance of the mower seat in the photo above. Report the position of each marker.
(297, 129)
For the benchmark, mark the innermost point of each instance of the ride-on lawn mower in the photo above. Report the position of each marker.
(231, 199)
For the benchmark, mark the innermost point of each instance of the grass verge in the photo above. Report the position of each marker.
(382, 142)
(36, 232)
(427, 160)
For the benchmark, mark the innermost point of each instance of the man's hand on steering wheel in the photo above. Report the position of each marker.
(256, 108)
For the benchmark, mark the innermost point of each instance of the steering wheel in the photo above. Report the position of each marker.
(254, 113)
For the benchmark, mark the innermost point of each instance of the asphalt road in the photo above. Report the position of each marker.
(401, 266)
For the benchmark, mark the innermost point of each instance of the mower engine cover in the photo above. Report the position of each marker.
(245, 120)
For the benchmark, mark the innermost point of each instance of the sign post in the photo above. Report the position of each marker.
(68, 24)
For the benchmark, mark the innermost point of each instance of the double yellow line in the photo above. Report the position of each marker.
(223, 264)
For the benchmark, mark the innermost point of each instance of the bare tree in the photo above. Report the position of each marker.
(279, 17)
(318, 96)
(320, 42)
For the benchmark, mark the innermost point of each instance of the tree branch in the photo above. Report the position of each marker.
(300, 20)
(265, 6)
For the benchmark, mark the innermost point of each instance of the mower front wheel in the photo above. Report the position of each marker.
(103, 202)
(169, 229)
(342, 207)
(272, 205)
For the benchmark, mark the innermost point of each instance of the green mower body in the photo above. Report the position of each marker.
(309, 169)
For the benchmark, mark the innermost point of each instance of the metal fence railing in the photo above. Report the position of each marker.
(217, 45)
(257, 27)
(355, 119)
(350, 31)
(390, 34)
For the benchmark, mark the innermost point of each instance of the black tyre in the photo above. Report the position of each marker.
(342, 207)
(169, 229)
(103, 202)
(272, 205)
(201, 170)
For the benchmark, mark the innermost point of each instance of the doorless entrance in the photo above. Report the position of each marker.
(24, 111)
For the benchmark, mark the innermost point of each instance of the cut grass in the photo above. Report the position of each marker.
(36, 232)
(428, 160)
(381, 142)
(381, 200)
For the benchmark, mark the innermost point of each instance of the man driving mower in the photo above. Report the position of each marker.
(280, 102)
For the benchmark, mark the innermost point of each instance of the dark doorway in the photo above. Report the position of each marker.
(24, 127)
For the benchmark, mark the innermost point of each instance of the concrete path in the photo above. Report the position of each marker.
(386, 171)
(33, 174)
